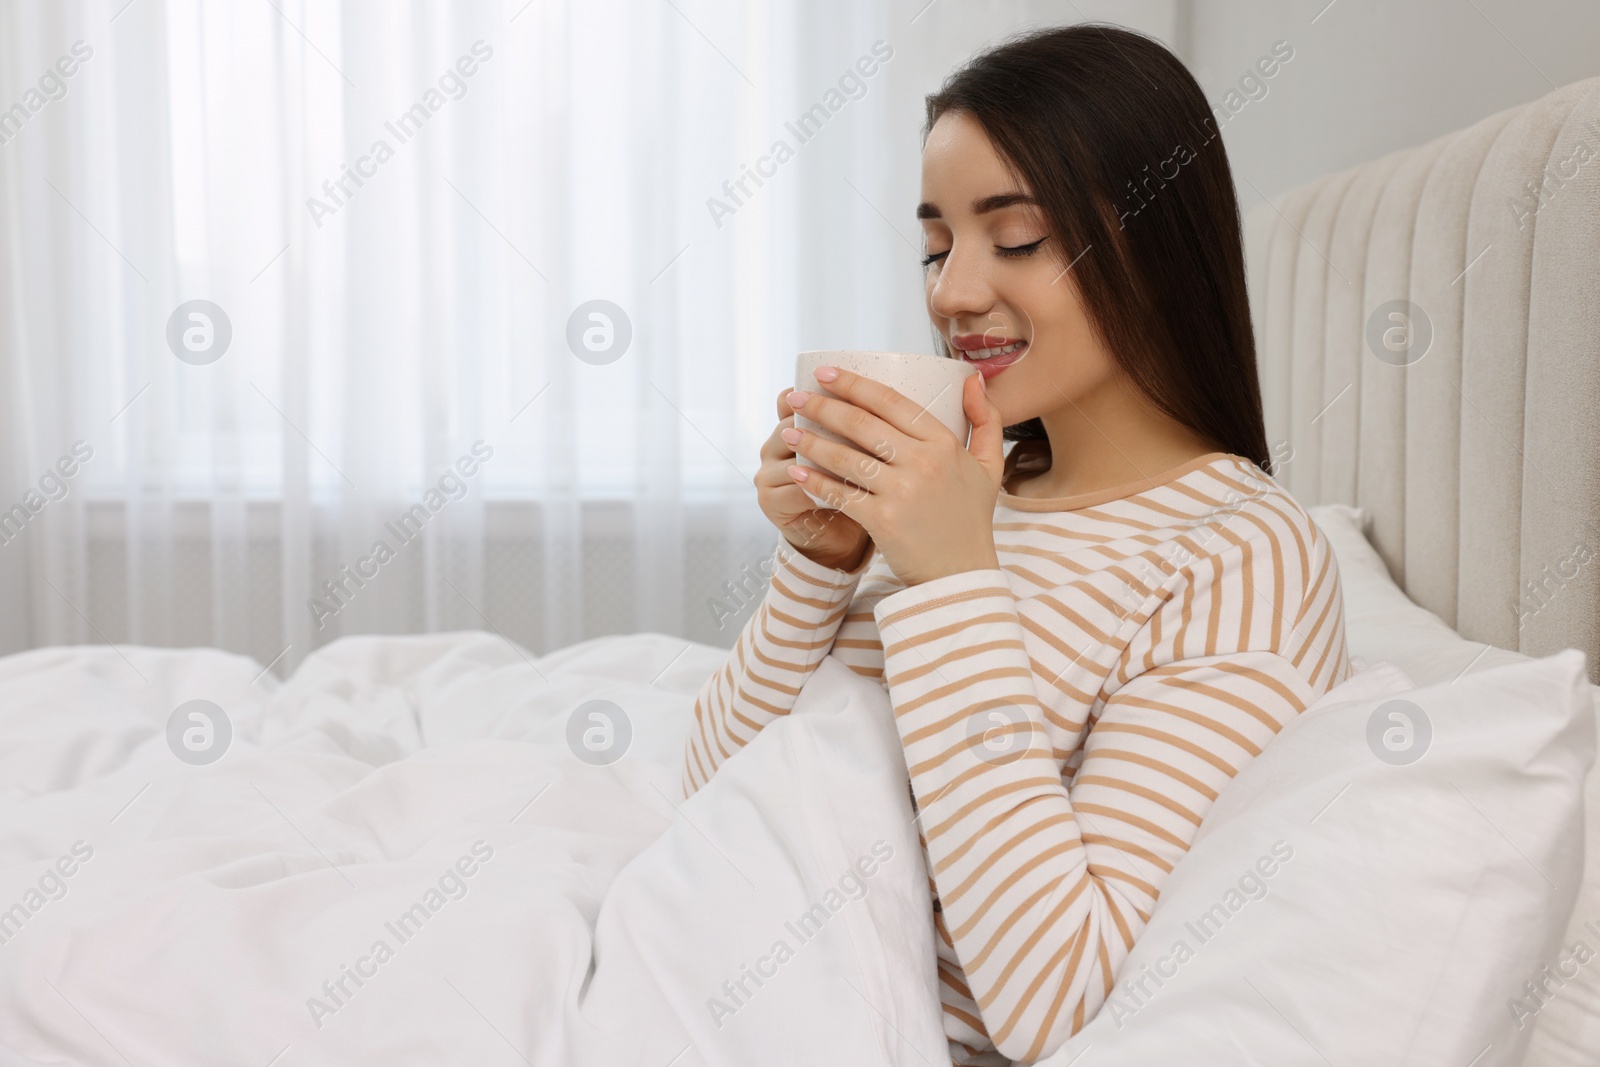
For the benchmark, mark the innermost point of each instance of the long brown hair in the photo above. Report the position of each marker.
(1095, 117)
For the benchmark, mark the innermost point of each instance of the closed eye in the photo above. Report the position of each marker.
(1004, 250)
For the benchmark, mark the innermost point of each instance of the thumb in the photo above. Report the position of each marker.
(987, 428)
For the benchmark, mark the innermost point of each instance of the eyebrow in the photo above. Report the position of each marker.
(981, 206)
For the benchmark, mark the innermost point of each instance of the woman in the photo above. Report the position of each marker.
(1086, 638)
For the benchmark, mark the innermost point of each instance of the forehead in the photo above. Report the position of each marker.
(960, 165)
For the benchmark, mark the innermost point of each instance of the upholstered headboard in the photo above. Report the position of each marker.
(1428, 336)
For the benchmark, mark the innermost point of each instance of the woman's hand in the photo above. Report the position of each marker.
(927, 502)
(825, 536)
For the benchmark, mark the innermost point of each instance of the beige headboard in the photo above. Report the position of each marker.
(1476, 450)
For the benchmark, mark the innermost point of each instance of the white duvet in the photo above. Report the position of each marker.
(400, 860)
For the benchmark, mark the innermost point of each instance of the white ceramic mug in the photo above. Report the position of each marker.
(934, 382)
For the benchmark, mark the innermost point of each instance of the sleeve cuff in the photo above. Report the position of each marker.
(798, 563)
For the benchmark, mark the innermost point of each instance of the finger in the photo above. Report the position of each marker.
(887, 404)
(988, 430)
(774, 474)
(790, 502)
(852, 423)
(843, 460)
(775, 447)
(853, 500)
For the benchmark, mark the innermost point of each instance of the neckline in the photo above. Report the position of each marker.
(1115, 492)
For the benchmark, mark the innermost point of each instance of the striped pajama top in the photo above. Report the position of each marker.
(1067, 718)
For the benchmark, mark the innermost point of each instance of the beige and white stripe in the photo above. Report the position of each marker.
(1138, 646)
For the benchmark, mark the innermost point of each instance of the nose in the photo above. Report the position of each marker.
(961, 290)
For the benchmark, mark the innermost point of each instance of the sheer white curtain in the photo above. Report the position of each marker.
(402, 213)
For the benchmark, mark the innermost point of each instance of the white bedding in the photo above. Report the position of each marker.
(574, 917)
(604, 920)
(1385, 625)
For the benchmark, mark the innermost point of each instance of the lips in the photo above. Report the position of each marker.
(995, 364)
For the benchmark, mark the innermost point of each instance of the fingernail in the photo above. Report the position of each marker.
(792, 435)
(798, 397)
(798, 473)
(826, 374)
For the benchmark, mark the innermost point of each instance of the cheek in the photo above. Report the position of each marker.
(1070, 362)
(1067, 356)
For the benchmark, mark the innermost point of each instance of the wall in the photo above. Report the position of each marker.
(1370, 77)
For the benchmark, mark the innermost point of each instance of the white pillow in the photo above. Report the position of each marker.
(1363, 911)
(1383, 623)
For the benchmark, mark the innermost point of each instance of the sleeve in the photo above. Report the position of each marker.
(1043, 888)
(776, 652)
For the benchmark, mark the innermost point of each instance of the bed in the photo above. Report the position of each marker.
(442, 847)
(1474, 454)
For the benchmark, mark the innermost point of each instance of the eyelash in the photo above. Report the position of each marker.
(1015, 251)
